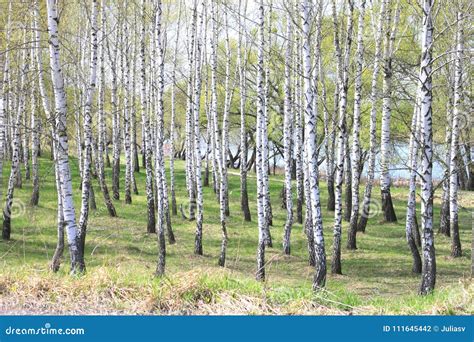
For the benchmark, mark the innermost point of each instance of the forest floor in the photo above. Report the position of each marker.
(121, 259)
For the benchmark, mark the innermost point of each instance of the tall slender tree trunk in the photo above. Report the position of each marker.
(133, 120)
(351, 237)
(385, 181)
(444, 211)
(88, 143)
(127, 110)
(174, 209)
(373, 121)
(244, 196)
(456, 250)
(56, 260)
(159, 158)
(197, 135)
(343, 80)
(15, 163)
(411, 224)
(264, 136)
(5, 98)
(102, 141)
(262, 223)
(62, 139)
(311, 162)
(428, 277)
(287, 134)
(16, 142)
(35, 132)
(115, 120)
(189, 138)
(299, 154)
(225, 119)
(151, 222)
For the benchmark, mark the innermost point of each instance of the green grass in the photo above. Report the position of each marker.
(121, 259)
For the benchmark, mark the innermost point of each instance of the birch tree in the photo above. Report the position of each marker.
(225, 119)
(373, 120)
(444, 211)
(454, 171)
(351, 238)
(126, 70)
(146, 128)
(102, 141)
(173, 115)
(15, 161)
(56, 260)
(287, 133)
(260, 275)
(159, 158)
(113, 60)
(311, 162)
(35, 133)
(217, 140)
(189, 139)
(62, 139)
(197, 135)
(385, 181)
(5, 98)
(87, 164)
(410, 223)
(343, 81)
(242, 65)
(428, 276)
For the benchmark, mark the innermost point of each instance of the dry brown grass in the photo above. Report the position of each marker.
(186, 293)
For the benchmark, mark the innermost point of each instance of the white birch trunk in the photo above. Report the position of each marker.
(151, 219)
(197, 135)
(174, 209)
(159, 158)
(429, 260)
(15, 161)
(62, 138)
(411, 205)
(287, 134)
(102, 141)
(225, 118)
(260, 275)
(242, 65)
(87, 164)
(35, 133)
(373, 121)
(298, 134)
(343, 81)
(385, 181)
(351, 238)
(311, 162)
(127, 116)
(454, 170)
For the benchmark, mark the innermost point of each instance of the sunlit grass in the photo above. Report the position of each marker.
(121, 259)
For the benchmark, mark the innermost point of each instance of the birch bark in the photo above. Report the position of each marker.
(373, 120)
(456, 250)
(62, 139)
(428, 277)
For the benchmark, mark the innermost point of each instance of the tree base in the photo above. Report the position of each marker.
(387, 207)
(331, 205)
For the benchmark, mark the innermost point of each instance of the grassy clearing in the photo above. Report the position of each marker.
(121, 259)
